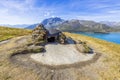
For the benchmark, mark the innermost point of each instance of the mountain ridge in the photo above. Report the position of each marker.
(75, 25)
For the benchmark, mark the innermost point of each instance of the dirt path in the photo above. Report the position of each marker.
(77, 71)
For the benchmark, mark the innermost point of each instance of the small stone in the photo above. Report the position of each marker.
(52, 71)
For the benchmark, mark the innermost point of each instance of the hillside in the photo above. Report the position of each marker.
(110, 67)
(105, 68)
(6, 32)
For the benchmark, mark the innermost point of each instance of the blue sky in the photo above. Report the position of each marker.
(34, 11)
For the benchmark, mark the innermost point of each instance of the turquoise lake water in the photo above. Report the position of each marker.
(111, 37)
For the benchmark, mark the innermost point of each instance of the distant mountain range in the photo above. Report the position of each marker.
(111, 24)
(31, 26)
(83, 25)
(16, 26)
(75, 25)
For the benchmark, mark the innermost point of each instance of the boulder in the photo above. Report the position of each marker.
(35, 49)
(62, 38)
(83, 48)
(70, 40)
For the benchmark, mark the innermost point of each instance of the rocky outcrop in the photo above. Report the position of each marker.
(83, 47)
(35, 49)
(39, 35)
(62, 38)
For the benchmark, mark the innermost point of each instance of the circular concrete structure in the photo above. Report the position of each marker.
(57, 54)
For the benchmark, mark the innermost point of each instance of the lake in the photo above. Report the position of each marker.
(111, 37)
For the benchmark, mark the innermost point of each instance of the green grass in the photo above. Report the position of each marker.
(7, 33)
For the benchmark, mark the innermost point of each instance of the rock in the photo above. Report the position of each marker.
(83, 48)
(39, 35)
(80, 42)
(62, 39)
(35, 49)
(70, 40)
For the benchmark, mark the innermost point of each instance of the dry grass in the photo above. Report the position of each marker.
(9, 71)
(111, 63)
(111, 50)
(7, 33)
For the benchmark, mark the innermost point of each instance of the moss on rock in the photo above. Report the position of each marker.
(83, 48)
(62, 38)
(35, 49)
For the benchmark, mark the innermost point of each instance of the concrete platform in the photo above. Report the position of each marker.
(57, 54)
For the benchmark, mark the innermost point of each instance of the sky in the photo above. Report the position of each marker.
(34, 11)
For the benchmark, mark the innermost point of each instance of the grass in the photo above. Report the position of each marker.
(8, 71)
(111, 50)
(7, 33)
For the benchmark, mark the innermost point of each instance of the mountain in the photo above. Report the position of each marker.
(52, 22)
(75, 25)
(48, 23)
(16, 26)
(31, 26)
(108, 23)
(111, 24)
(84, 25)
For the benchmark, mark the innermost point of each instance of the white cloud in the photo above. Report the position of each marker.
(101, 17)
(26, 11)
(53, 16)
(47, 14)
(114, 11)
(17, 12)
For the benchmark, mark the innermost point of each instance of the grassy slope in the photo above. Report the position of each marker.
(8, 71)
(6, 32)
(110, 49)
